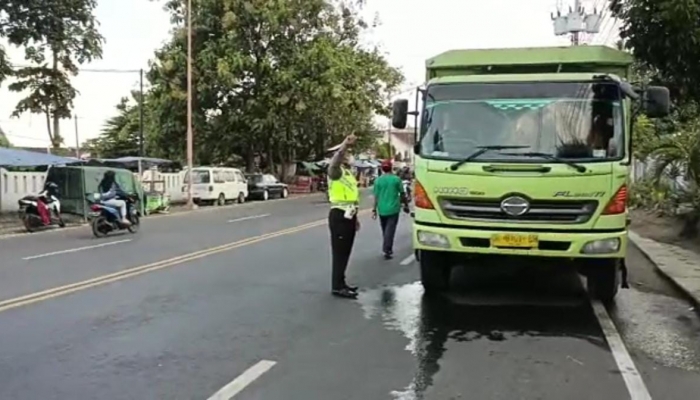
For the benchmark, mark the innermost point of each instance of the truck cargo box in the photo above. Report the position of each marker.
(534, 60)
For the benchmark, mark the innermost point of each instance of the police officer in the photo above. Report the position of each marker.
(344, 196)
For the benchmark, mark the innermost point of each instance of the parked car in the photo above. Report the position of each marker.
(217, 185)
(266, 186)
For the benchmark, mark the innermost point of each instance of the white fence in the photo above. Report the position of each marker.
(15, 185)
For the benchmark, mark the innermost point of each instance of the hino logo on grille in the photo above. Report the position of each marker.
(515, 206)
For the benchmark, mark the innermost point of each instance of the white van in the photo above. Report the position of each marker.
(217, 185)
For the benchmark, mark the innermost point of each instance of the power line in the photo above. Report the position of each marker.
(12, 135)
(97, 70)
(613, 30)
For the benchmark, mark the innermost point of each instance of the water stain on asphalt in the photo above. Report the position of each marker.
(663, 328)
(430, 322)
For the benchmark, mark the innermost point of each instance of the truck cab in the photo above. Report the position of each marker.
(524, 155)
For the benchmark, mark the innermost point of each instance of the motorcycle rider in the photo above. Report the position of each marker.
(110, 191)
(48, 200)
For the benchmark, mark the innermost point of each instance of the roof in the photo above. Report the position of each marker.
(23, 158)
(503, 78)
(531, 56)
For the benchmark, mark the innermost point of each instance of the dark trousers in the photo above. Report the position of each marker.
(388, 223)
(342, 238)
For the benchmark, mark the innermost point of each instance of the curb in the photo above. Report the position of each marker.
(660, 256)
(20, 232)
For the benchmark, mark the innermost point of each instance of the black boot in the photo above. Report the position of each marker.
(344, 293)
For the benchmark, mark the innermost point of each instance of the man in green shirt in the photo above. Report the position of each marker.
(388, 198)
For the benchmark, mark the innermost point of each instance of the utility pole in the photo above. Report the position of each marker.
(388, 131)
(576, 36)
(141, 145)
(577, 21)
(141, 126)
(77, 141)
(190, 146)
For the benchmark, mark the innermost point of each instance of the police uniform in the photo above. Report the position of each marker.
(344, 196)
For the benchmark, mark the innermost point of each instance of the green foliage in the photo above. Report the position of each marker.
(278, 81)
(55, 34)
(4, 141)
(120, 134)
(646, 137)
(672, 149)
(384, 150)
(664, 35)
(652, 194)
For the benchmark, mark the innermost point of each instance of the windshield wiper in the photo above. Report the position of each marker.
(481, 150)
(578, 167)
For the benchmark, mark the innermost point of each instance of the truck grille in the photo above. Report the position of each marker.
(540, 212)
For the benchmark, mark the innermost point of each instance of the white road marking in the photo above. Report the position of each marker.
(408, 259)
(249, 217)
(237, 385)
(53, 253)
(633, 380)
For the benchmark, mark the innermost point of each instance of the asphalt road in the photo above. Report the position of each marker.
(252, 316)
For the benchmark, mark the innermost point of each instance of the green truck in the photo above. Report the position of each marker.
(524, 155)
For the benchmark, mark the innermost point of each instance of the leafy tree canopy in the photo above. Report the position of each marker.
(56, 35)
(276, 81)
(664, 35)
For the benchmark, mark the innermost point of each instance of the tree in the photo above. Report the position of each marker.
(4, 141)
(56, 34)
(120, 134)
(384, 150)
(275, 80)
(663, 34)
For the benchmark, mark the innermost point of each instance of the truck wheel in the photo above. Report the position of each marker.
(603, 280)
(435, 271)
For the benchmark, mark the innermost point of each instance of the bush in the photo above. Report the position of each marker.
(650, 194)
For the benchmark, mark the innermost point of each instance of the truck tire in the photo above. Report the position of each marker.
(435, 271)
(603, 280)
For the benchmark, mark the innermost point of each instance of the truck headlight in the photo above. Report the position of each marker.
(602, 246)
(433, 239)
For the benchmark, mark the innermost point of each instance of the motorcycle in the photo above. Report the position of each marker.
(106, 219)
(30, 209)
(407, 189)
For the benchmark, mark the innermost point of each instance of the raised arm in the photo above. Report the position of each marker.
(334, 170)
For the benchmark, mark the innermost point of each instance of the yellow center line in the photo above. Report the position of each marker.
(135, 271)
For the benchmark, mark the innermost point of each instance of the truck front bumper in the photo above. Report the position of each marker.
(566, 244)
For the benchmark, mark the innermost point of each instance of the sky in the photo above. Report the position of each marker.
(410, 31)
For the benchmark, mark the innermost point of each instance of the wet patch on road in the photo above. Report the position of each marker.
(481, 309)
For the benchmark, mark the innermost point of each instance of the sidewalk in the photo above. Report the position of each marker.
(681, 266)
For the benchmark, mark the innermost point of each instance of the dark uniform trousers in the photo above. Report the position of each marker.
(343, 232)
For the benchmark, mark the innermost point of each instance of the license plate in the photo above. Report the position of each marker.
(94, 214)
(514, 240)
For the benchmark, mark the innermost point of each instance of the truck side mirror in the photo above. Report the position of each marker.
(657, 102)
(399, 111)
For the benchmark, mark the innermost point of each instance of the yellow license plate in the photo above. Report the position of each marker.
(515, 240)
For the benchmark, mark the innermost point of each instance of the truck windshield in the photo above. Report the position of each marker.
(568, 120)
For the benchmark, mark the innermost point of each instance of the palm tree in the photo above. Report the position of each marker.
(679, 156)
